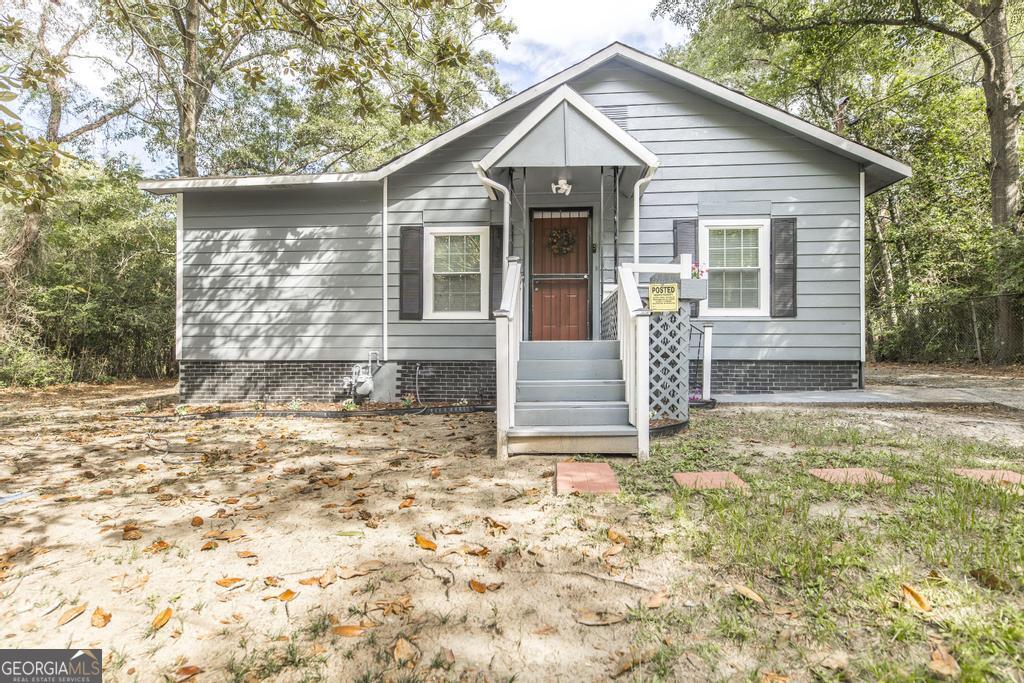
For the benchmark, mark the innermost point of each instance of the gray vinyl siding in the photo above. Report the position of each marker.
(295, 274)
(719, 162)
(282, 274)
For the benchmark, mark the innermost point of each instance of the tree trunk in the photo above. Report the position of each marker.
(191, 93)
(1003, 110)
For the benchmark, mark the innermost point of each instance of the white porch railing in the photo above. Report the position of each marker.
(634, 329)
(508, 331)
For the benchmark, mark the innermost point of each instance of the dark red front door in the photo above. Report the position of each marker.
(559, 285)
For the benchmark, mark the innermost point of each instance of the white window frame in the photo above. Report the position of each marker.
(429, 233)
(763, 260)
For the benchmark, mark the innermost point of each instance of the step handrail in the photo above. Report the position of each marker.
(508, 332)
(634, 329)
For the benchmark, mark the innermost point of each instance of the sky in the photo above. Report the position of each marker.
(552, 34)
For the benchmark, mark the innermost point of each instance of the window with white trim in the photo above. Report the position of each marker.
(455, 272)
(735, 252)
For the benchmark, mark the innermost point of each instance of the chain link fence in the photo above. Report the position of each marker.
(945, 332)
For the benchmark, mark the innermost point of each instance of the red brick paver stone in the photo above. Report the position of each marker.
(851, 475)
(709, 480)
(585, 477)
(1004, 477)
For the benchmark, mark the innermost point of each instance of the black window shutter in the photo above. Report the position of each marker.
(496, 262)
(784, 267)
(684, 236)
(410, 272)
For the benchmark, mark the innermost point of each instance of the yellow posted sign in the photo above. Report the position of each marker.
(663, 297)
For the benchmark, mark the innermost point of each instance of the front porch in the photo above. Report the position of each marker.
(572, 327)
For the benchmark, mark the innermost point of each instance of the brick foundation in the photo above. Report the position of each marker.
(769, 377)
(473, 381)
(209, 381)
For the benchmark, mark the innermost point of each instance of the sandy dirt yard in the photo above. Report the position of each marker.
(399, 549)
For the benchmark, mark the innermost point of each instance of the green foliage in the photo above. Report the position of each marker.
(102, 294)
(25, 362)
(28, 164)
(929, 238)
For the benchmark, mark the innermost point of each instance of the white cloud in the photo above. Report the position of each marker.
(554, 34)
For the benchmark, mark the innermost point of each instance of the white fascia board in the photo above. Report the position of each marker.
(712, 90)
(566, 94)
(173, 185)
(766, 112)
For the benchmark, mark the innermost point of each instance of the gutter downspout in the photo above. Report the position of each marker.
(491, 186)
(384, 271)
(646, 178)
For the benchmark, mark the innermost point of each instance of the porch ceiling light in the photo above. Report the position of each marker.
(561, 187)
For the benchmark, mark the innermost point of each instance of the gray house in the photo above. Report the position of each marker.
(501, 260)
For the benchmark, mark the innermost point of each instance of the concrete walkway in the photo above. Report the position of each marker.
(1006, 396)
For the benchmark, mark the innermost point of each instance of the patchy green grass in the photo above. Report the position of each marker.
(830, 560)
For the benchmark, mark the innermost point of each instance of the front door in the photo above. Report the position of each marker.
(559, 284)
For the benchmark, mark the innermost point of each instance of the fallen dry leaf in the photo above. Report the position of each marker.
(617, 537)
(349, 630)
(655, 600)
(197, 521)
(477, 586)
(209, 545)
(942, 663)
(494, 527)
(161, 619)
(425, 543)
(71, 614)
(748, 593)
(405, 652)
(911, 596)
(100, 618)
(227, 581)
(634, 657)
(989, 579)
(396, 606)
(600, 618)
(287, 596)
(157, 546)
(186, 672)
(772, 677)
(328, 577)
(435, 473)
(131, 532)
(407, 503)
(246, 554)
(614, 550)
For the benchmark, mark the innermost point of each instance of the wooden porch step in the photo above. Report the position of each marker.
(569, 350)
(573, 413)
(599, 368)
(565, 440)
(571, 390)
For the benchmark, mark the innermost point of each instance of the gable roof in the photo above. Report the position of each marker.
(881, 170)
(573, 120)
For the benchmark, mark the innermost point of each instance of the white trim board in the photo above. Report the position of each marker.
(566, 94)
(888, 169)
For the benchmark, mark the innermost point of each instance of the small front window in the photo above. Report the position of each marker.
(735, 253)
(456, 281)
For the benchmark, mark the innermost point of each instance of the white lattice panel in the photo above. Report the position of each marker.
(670, 365)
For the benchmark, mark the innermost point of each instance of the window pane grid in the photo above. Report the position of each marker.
(734, 271)
(457, 277)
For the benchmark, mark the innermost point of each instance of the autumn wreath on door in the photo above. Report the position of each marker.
(561, 242)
